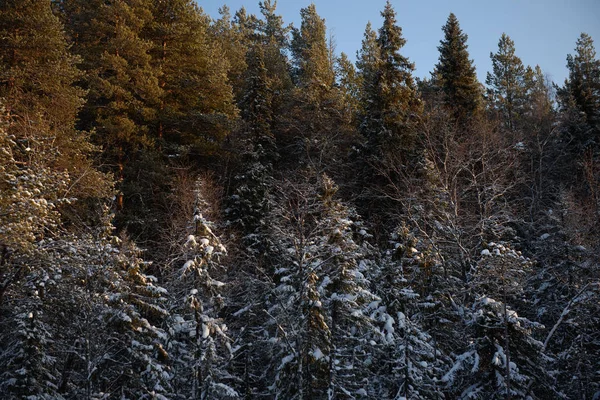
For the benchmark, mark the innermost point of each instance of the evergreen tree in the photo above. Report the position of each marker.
(123, 89)
(37, 85)
(407, 360)
(507, 84)
(503, 358)
(250, 201)
(321, 303)
(349, 83)
(197, 100)
(366, 64)
(274, 37)
(232, 41)
(390, 111)
(57, 288)
(318, 129)
(581, 92)
(199, 341)
(313, 69)
(392, 105)
(455, 73)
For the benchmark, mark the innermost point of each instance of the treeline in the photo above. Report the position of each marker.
(214, 209)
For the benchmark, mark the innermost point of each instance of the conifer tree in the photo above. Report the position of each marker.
(455, 72)
(250, 201)
(198, 336)
(37, 85)
(324, 128)
(233, 42)
(392, 105)
(123, 89)
(311, 53)
(57, 288)
(366, 64)
(507, 84)
(274, 37)
(581, 92)
(38, 73)
(320, 303)
(347, 296)
(503, 358)
(349, 83)
(197, 100)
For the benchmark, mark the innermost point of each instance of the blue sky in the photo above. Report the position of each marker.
(544, 31)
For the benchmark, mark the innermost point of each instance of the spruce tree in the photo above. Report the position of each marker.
(273, 35)
(319, 304)
(392, 106)
(455, 73)
(581, 92)
(198, 338)
(366, 65)
(390, 111)
(232, 42)
(250, 201)
(348, 83)
(318, 127)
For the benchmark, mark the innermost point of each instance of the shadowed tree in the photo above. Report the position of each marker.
(455, 73)
(507, 83)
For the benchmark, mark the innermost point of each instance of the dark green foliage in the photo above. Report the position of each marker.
(391, 104)
(349, 82)
(474, 224)
(581, 94)
(273, 34)
(455, 73)
(312, 61)
(249, 204)
(507, 91)
(316, 124)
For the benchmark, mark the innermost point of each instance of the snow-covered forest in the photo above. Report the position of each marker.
(198, 208)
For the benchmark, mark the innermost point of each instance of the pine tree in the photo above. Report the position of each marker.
(349, 83)
(507, 84)
(274, 37)
(366, 64)
(503, 359)
(313, 71)
(320, 301)
(124, 93)
(232, 42)
(455, 73)
(58, 287)
(346, 293)
(191, 69)
(318, 129)
(390, 112)
(37, 85)
(38, 73)
(407, 360)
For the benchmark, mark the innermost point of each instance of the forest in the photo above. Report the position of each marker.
(226, 208)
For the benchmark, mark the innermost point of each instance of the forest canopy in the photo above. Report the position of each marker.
(199, 208)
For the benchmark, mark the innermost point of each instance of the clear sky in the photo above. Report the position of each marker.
(544, 31)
